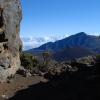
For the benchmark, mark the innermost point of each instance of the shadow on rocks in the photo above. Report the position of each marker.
(80, 85)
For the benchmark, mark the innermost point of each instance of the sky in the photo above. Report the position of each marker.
(50, 20)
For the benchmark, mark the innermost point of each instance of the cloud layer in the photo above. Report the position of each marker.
(33, 42)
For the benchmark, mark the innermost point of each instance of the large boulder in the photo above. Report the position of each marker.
(10, 43)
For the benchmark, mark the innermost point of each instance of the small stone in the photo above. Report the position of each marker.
(4, 96)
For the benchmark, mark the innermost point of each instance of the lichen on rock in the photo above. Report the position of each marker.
(10, 43)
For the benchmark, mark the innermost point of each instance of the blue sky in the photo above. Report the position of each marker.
(58, 18)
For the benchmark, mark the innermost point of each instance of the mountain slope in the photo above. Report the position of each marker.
(77, 45)
(71, 53)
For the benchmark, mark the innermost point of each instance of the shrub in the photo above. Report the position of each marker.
(98, 57)
(28, 61)
(46, 57)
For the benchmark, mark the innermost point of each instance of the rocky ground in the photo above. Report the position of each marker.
(18, 83)
(75, 80)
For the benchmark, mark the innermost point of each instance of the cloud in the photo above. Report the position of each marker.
(33, 42)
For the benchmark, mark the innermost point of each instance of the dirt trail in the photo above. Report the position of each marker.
(18, 83)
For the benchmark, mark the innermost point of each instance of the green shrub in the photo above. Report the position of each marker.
(98, 58)
(28, 61)
(46, 57)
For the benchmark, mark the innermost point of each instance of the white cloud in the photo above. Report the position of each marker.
(33, 42)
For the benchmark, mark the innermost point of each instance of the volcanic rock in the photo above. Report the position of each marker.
(10, 43)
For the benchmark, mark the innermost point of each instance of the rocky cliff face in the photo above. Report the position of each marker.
(10, 43)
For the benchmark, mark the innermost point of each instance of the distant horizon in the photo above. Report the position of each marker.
(34, 42)
(58, 18)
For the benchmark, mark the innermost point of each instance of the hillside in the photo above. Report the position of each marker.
(74, 46)
(78, 80)
(71, 53)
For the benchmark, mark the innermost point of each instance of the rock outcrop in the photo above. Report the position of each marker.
(10, 43)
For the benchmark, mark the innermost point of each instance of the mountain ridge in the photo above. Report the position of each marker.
(80, 42)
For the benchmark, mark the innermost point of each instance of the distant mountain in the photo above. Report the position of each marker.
(77, 45)
(71, 53)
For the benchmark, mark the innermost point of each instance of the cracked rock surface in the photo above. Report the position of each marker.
(10, 43)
